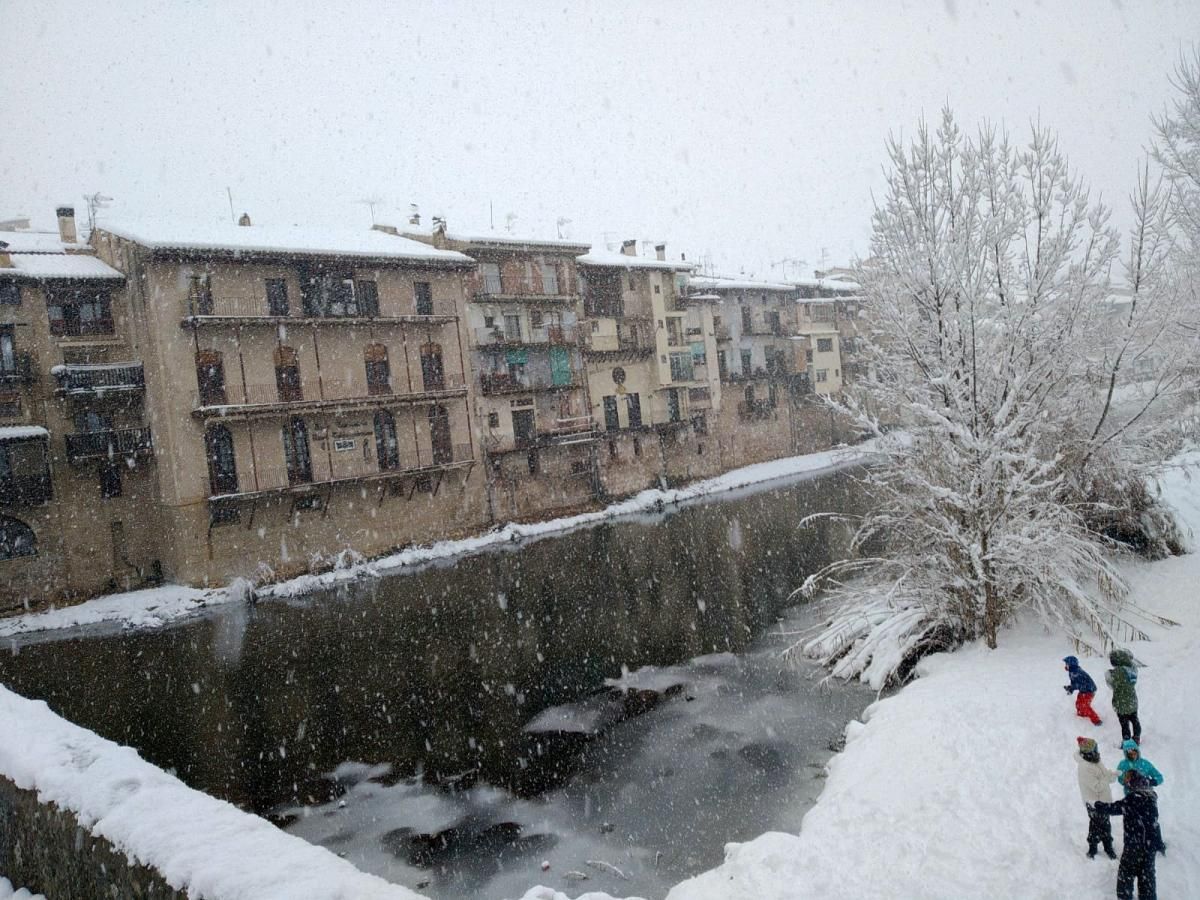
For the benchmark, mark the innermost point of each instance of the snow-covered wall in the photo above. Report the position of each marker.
(80, 815)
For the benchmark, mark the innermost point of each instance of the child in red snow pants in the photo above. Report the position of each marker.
(1083, 707)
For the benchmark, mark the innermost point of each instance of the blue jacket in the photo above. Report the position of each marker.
(1080, 680)
(1141, 764)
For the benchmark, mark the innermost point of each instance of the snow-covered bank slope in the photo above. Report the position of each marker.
(963, 784)
(158, 606)
(199, 844)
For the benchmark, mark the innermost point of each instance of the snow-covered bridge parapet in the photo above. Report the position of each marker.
(85, 818)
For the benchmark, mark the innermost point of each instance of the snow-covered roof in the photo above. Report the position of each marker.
(291, 240)
(828, 284)
(722, 283)
(486, 237)
(22, 432)
(37, 242)
(59, 265)
(603, 257)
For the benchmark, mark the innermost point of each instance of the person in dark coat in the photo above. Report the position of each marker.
(1140, 810)
(1082, 682)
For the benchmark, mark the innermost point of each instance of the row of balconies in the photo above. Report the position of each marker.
(495, 383)
(34, 488)
(202, 309)
(545, 334)
(290, 396)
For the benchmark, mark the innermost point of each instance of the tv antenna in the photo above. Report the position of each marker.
(370, 203)
(95, 202)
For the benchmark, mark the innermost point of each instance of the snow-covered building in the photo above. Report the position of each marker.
(77, 467)
(531, 406)
(308, 387)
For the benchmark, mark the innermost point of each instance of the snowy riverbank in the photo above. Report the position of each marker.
(154, 607)
(962, 785)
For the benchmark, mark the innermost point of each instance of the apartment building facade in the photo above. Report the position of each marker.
(78, 477)
(309, 388)
(532, 410)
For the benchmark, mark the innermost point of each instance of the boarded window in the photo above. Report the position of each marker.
(210, 376)
(287, 375)
(379, 372)
(222, 465)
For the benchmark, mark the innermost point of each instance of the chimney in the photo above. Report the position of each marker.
(660, 251)
(66, 225)
(244, 220)
(629, 248)
(415, 217)
(5, 260)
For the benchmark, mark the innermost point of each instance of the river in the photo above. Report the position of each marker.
(386, 718)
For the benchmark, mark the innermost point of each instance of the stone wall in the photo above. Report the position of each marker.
(45, 849)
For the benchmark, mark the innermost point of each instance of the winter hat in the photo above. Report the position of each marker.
(1071, 662)
(1086, 745)
(1129, 744)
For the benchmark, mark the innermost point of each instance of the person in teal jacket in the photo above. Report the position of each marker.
(1138, 763)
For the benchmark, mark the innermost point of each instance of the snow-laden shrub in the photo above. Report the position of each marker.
(1019, 402)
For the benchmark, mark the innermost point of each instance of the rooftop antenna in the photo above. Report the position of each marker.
(95, 202)
(491, 216)
(232, 214)
(562, 220)
(508, 221)
(370, 203)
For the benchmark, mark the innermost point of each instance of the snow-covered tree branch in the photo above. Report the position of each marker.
(1033, 393)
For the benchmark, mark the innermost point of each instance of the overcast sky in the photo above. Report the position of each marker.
(753, 137)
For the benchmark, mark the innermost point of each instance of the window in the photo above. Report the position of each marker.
(492, 283)
(287, 375)
(493, 419)
(387, 446)
(10, 405)
(536, 318)
(296, 452)
(674, 331)
(549, 277)
(277, 297)
(200, 298)
(79, 312)
(10, 293)
(512, 327)
(773, 322)
(745, 362)
(808, 356)
(533, 461)
(110, 479)
(366, 295)
(423, 292)
(824, 345)
(674, 411)
(681, 367)
(699, 354)
(658, 289)
(222, 466)
(822, 375)
(24, 471)
(210, 376)
(722, 365)
(633, 406)
(747, 320)
(433, 373)
(16, 539)
(93, 421)
(440, 439)
(612, 421)
(338, 295)
(379, 372)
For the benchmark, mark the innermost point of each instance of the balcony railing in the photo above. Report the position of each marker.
(492, 292)
(575, 430)
(26, 490)
(17, 369)
(506, 383)
(199, 308)
(107, 444)
(723, 333)
(273, 478)
(79, 379)
(267, 397)
(546, 334)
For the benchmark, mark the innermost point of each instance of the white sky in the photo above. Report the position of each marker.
(752, 137)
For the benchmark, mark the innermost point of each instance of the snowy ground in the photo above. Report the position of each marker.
(155, 607)
(8, 893)
(962, 785)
